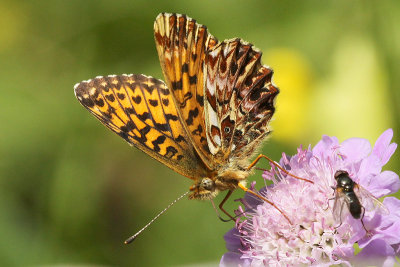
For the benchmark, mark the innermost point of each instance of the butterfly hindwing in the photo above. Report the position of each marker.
(142, 110)
(182, 44)
(239, 99)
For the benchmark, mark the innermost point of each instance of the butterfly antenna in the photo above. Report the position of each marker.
(132, 238)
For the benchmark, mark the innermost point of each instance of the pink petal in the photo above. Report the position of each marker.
(377, 253)
(371, 165)
(383, 149)
(355, 149)
(232, 240)
(384, 184)
(233, 259)
(324, 147)
(388, 229)
(390, 235)
(392, 203)
(344, 251)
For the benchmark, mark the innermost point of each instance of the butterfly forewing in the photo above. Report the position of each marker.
(141, 110)
(181, 44)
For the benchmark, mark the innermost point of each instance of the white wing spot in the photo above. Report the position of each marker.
(210, 87)
(212, 115)
(217, 140)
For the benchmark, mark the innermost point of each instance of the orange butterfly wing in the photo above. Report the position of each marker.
(142, 110)
(182, 44)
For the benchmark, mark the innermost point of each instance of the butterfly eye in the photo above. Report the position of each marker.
(207, 184)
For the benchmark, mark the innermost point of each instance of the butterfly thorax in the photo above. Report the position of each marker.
(227, 178)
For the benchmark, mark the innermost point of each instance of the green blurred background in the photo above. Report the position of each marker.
(71, 191)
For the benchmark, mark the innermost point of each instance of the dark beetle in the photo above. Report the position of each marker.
(357, 199)
(345, 188)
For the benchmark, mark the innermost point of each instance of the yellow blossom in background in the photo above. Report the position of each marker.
(353, 100)
(293, 76)
(350, 100)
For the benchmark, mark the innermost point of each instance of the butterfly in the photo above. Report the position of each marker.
(208, 117)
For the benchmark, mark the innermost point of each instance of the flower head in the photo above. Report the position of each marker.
(321, 230)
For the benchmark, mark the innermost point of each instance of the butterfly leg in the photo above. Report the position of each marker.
(221, 205)
(276, 165)
(232, 218)
(244, 188)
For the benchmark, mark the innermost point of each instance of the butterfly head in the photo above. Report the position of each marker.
(209, 187)
(204, 189)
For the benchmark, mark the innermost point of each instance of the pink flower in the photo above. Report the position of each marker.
(315, 234)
